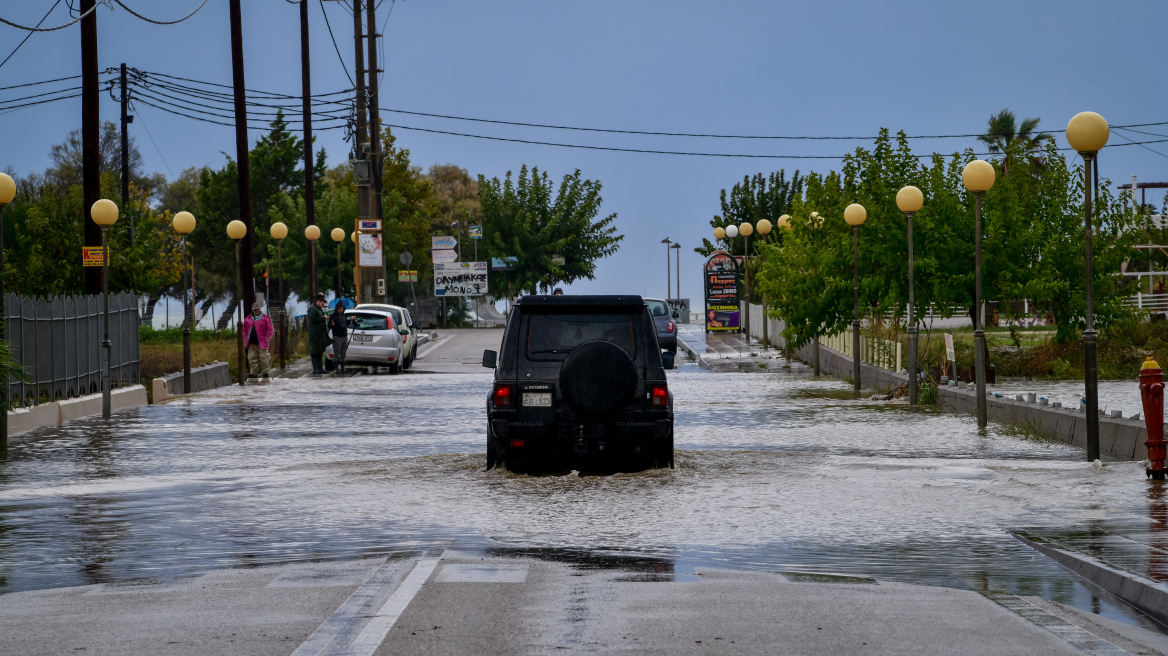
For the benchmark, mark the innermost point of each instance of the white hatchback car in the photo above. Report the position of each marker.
(404, 322)
(375, 340)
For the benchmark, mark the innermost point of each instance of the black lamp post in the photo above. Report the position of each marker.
(978, 176)
(237, 231)
(1087, 133)
(909, 200)
(184, 224)
(279, 232)
(7, 193)
(855, 215)
(105, 214)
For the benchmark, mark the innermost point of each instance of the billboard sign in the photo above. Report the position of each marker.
(92, 256)
(443, 243)
(369, 249)
(475, 232)
(460, 279)
(722, 294)
(504, 263)
(407, 276)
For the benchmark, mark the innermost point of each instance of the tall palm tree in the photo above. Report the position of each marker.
(1006, 136)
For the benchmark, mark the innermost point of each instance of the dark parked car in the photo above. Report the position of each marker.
(666, 322)
(580, 379)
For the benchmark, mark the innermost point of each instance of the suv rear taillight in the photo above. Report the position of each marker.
(669, 328)
(659, 396)
(501, 397)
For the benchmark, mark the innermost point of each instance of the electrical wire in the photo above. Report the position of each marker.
(158, 22)
(33, 84)
(335, 46)
(381, 46)
(1141, 145)
(40, 95)
(160, 155)
(38, 28)
(228, 86)
(290, 128)
(9, 110)
(29, 35)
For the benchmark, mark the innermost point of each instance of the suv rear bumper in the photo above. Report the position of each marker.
(558, 438)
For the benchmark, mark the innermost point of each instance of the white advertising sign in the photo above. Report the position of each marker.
(460, 279)
(370, 249)
(443, 243)
(446, 257)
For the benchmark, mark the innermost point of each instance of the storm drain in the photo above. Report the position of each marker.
(1075, 635)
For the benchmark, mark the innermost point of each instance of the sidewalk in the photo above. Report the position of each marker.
(727, 351)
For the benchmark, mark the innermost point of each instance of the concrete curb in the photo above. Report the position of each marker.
(59, 412)
(217, 374)
(1119, 439)
(1143, 593)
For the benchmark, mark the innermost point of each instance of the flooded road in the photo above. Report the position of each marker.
(777, 472)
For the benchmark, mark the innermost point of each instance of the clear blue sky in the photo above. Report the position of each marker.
(777, 68)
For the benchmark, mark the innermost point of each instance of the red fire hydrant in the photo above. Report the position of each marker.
(1152, 395)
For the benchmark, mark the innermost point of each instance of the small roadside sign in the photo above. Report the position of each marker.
(475, 231)
(444, 256)
(91, 256)
(407, 276)
(443, 243)
(406, 257)
(368, 225)
(949, 355)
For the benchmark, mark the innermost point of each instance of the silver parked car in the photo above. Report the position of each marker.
(405, 323)
(375, 340)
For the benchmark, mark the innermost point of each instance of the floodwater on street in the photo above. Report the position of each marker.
(777, 471)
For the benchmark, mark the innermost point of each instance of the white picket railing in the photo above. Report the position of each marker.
(883, 353)
(1149, 302)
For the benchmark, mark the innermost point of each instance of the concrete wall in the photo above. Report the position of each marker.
(1119, 439)
(203, 378)
(59, 412)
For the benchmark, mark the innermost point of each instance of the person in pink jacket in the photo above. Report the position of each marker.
(257, 335)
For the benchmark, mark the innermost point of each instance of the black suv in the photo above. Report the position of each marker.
(581, 379)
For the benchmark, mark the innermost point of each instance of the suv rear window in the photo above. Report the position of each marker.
(553, 336)
(360, 321)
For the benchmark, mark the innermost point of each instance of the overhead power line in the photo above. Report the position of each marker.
(29, 35)
(335, 46)
(38, 28)
(158, 22)
(33, 84)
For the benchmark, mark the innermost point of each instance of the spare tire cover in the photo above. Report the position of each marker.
(598, 379)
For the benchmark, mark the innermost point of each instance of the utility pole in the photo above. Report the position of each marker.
(126, 120)
(90, 138)
(247, 244)
(362, 171)
(309, 177)
(375, 141)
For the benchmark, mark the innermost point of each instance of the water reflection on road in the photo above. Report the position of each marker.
(777, 471)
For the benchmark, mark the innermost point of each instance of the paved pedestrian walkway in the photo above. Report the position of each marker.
(727, 351)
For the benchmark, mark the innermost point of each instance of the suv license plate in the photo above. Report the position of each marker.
(537, 400)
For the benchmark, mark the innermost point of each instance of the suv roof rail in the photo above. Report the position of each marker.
(596, 300)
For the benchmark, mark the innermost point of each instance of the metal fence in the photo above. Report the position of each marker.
(58, 342)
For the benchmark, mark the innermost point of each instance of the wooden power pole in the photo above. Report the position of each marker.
(90, 138)
(247, 245)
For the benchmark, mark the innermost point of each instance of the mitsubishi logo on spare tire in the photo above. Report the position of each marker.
(598, 379)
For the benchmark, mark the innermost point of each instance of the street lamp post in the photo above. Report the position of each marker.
(1087, 133)
(746, 230)
(785, 224)
(978, 176)
(338, 236)
(312, 233)
(237, 231)
(668, 274)
(910, 200)
(677, 269)
(184, 224)
(7, 193)
(105, 214)
(279, 232)
(764, 228)
(731, 231)
(855, 215)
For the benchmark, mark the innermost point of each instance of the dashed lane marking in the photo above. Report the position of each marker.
(378, 627)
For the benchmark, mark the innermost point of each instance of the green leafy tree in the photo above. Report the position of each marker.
(528, 219)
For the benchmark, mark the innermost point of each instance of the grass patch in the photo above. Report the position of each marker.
(812, 577)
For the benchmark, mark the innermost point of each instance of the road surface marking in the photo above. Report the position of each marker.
(383, 620)
(483, 574)
(353, 612)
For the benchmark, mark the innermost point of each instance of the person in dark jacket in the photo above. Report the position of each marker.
(339, 327)
(318, 337)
